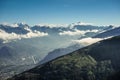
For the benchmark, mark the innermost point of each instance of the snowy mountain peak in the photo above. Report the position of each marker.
(23, 25)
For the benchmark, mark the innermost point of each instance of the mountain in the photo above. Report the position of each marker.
(71, 27)
(22, 46)
(86, 27)
(98, 61)
(6, 55)
(19, 31)
(16, 57)
(5, 52)
(50, 30)
(60, 52)
(16, 51)
(16, 28)
(109, 33)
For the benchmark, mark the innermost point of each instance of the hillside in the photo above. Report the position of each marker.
(109, 33)
(24, 45)
(95, 62)
(60, 52)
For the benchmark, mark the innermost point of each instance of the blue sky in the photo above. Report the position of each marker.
(99, 12)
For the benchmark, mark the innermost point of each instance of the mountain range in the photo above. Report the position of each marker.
(98, 61)
(111, 31)
(23, 47)
(59, 52)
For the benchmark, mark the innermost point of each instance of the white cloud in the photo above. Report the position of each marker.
(52, 25)
(13, 36)
(23, 59)
(34, 34)
(82, 23)
(72, 33)
(79, 23)
(11, 25)
(87, 41)
(63, 25)
(76, 32)
(94, 30)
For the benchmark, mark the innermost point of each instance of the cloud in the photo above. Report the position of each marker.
(82, 23)
(11, 25)
(6, 37)
(52, 25)
(63, 25)
(77, 32)
(87, 41)
(94, 30)
(72, 33)
(34, 34)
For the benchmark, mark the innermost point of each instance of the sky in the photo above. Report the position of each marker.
(98, 12)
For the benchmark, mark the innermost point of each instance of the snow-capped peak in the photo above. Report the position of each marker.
(23, 25)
